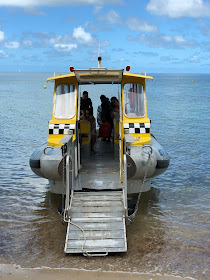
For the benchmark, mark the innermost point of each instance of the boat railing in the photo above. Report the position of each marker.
(57, 74)
(125, 190)
(127, 142)
(143, 73)
(68, 155)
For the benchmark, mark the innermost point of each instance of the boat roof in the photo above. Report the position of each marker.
(98, 76)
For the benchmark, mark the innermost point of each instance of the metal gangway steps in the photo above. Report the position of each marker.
(97, 223)
(96, 202)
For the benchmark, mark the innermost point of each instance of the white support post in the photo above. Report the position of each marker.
(125, 190)
(67, 183)
(67, 141)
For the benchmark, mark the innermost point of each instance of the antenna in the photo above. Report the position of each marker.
(99, 57)
(99, 61)
(99, 49)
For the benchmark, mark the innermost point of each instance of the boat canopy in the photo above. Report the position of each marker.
(98, 76)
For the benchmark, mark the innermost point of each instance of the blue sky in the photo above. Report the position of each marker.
(159, 36)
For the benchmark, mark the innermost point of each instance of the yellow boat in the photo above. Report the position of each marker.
(101, 189)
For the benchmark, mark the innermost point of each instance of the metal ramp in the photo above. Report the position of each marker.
(97, 224)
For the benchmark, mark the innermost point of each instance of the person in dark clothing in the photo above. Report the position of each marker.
(85, 103)
(106, 109)
(106, 113)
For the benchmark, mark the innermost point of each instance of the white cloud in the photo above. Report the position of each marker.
(33, 11)
(94, 52)
(55, 39)
(97, 9)
(82, 37)
(65, 42)
(167, 38)
(27, 43)
(145, 53)
(105, 43)
(137, 24)
(168, 58)
(12, 45)
(111, 17)
(36, 3)
(7, 43)
(159, 40)
(118, 50)
(65, 47)
(31, 57)
(194, 59)
(2, 37)
(3, 54)
(97, 27)
(205, 28)
(179, 39)
(179, 8)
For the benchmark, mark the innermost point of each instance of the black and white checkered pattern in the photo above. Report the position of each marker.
(61, 128)
(133, 128)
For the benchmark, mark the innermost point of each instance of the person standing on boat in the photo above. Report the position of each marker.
(85, 103)
(106, 115)
(106, 109)
(114, 108)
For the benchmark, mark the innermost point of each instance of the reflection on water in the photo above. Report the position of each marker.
(171, 231)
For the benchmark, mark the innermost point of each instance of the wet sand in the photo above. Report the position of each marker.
(11, 272)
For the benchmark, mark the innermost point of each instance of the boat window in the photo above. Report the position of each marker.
(134, 100)
(65, 101)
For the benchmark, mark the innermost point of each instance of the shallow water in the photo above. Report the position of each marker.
(171, 231)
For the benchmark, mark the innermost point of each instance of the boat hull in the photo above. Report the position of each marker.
(46, 162)
(149, 160)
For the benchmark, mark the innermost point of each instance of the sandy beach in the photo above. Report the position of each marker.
(12, 272)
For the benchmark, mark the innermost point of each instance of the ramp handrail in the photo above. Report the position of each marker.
(68, 153)
(69, 182)
(125, 190)
(128, 139)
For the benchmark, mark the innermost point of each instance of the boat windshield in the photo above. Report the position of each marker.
(134, 100)
(65, 101)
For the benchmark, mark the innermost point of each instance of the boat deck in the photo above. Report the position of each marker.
(100, 170)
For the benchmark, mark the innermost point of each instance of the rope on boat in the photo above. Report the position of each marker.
(84, 237)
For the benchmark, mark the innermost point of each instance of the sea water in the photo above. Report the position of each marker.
(170, 234)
